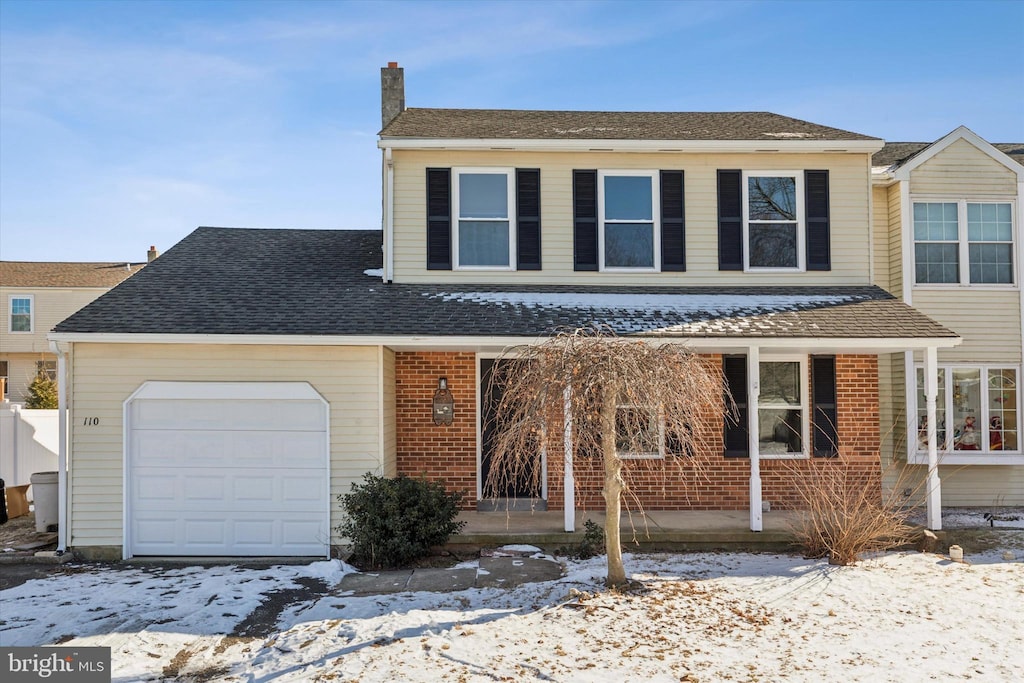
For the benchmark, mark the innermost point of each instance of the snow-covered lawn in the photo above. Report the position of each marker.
(698, 617)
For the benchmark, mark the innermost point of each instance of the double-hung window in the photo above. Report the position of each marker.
(484, 201)
(21, 317)
(629, 237)
(963, 242)
(782, 408)
(773, 226)
(977, 413)
(639, 432)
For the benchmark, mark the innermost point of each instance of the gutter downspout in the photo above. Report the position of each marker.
(389, 216)
(62, 447)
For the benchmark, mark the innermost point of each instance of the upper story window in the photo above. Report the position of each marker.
(629, 235)
(484, 202)
(22, 315)
(773, 220)
(950, 234)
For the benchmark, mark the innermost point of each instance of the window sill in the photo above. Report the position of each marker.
(755, 269)
(953, 286)
(976, 458)
(640, 456)
(783, 456)
(624, 269)
(500, 269)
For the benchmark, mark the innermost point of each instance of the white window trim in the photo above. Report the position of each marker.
(660, 455)
(655, 177)
(979, 457)
(805, 414)
(31, 313)
(963, 246)
(801, 222)
(510, 178)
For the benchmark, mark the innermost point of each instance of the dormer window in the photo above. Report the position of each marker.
(484, 201)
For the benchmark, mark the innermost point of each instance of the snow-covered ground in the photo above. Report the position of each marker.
(698, 617)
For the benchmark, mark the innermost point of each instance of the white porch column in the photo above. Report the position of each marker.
(931, 391)
(753, 391)
(568, 481)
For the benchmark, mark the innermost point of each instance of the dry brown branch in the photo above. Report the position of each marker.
(630, 403)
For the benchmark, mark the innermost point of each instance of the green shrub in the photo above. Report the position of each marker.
(392, 522)
(591, 545)
(42, 392)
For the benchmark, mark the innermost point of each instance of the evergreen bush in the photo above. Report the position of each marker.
(394, 521)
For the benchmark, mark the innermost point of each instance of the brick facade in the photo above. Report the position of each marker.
(450, 453)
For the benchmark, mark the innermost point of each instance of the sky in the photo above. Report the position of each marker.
(128, 124)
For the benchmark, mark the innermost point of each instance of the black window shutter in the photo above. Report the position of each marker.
(584, 217)
(439, 219)
(673, 222)
(528, 218)
(824, 435)
(730, 220)
(819, 253)
(737, 444)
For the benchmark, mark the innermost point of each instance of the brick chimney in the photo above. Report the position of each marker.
(392, 93)
(151, 254)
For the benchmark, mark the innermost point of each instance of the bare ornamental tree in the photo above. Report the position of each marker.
(624, 404)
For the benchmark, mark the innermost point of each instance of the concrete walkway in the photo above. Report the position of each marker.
(494, 572)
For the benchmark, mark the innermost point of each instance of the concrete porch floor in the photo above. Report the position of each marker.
(653, 530)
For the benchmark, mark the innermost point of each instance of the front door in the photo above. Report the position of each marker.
(521, 492)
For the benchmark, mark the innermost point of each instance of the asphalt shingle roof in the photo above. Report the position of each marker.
(900, 153)
(605, 125)
(313, 282)
(64, 274)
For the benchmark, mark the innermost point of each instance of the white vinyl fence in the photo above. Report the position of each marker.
(28, 443)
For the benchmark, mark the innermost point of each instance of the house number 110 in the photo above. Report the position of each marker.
(91, 421)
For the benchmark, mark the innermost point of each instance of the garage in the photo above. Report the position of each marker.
(227, 469)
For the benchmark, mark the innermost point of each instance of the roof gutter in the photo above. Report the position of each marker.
(781, 145)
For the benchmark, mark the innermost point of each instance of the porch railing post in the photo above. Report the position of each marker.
(931, 390)
(569, 481)
(753, 391)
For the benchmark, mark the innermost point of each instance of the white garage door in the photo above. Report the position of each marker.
(236, 468)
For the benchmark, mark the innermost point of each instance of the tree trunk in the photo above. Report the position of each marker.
(612, 493)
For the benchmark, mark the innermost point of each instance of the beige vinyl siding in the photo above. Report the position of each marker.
(895, 240)
(880, 236)
(50, 306)
(390, 416)
(849, 188)
(21, 370)
(105, 375)
(968, 486)
(987, 319)
(963, 170)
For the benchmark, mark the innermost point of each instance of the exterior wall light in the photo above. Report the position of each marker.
(444, 403)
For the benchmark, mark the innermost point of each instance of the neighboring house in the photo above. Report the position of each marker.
(947, 241)
(223, 399)
(35, 296)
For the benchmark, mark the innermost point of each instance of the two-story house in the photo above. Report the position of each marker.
(222, 400)
(34, 297)
(947, 241)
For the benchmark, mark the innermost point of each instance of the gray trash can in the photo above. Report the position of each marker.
(44, 495)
